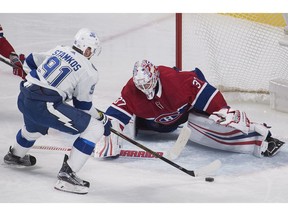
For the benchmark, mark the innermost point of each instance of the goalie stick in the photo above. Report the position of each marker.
(123, 153)
(179, 145)
(176, 149)
(202, 171)
(171, 154)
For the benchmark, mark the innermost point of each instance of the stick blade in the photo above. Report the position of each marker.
(208, 169)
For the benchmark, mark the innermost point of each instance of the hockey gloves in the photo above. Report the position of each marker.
(17, 62)
(233, 118)
(106, 122)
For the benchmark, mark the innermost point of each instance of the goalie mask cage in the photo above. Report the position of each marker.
(236, 52)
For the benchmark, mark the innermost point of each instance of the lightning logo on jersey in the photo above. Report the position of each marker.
(60, 116)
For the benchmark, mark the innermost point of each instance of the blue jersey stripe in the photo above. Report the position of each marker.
(83, 105)
(34, 74)
(121, 116)
(24, 142)
(84, 146)
(237, 137)
(30, 62)
(204, 97)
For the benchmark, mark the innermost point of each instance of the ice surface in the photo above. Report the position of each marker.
(127, 38)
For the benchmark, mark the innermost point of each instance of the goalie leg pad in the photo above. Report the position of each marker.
(211, 134)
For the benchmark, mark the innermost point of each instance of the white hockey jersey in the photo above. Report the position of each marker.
(63, 69)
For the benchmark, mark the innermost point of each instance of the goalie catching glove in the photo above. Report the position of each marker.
(233, 118)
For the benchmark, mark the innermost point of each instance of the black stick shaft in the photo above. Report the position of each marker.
(5, 61)
(189, 172)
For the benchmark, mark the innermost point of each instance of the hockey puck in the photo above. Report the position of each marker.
(209, 179)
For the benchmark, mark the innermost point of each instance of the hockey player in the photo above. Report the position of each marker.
(57, 76)
(7, 50)
(162, 98)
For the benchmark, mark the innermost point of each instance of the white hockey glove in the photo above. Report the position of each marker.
(232, 118)
(109, 146)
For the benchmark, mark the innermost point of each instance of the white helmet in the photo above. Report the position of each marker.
(145, 77)
(86, 38)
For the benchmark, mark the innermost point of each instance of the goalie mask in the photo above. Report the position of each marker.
(86, 38)
(145, 77)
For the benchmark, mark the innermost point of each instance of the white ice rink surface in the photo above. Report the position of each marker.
(127, 38)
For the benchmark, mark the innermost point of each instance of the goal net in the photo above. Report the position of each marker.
(236, 52)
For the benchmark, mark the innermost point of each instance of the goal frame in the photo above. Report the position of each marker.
(181, 48)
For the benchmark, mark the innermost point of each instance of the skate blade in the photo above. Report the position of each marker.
(18, 166)
(67, 187)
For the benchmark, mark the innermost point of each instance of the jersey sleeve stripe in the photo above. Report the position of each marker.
(30, 62)
(198, 94)
(204, 97)
(119, 114)
(83, 105)
(210, 99)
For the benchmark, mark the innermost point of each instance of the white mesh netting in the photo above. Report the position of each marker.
(236, 55)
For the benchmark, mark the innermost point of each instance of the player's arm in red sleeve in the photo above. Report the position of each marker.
(5, 47)
(7, 50)
(120, 108)
(217, 102)
(208, 98)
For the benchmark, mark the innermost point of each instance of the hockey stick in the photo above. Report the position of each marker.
(171, 154)
(123, 153)
(5, 61)
(178, 146)
(199, 172)
(10, 64)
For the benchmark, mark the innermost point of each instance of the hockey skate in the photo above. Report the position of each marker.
(273, 146)
(69, 182)
(11, 159)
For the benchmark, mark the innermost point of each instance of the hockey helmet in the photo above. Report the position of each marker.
(145, 77)
(86, 38)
